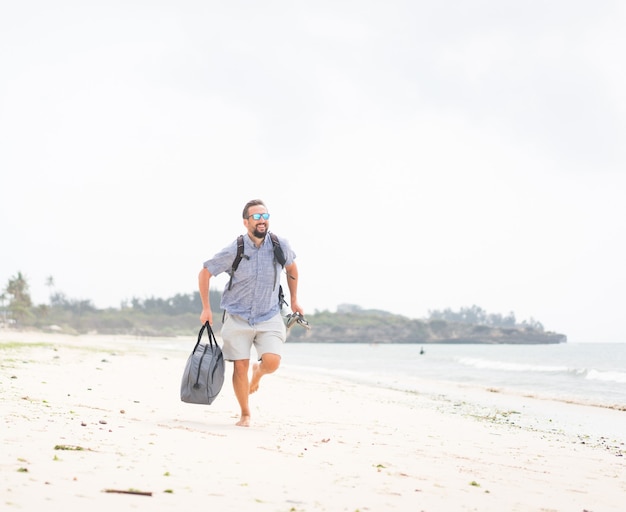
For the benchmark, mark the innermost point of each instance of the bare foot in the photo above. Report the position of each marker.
(244, 421)
(256, 377)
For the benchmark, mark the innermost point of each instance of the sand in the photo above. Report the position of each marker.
(95, 423)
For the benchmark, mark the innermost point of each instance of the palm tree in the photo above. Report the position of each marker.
(20, 302)
(3, 297)
(50, 285)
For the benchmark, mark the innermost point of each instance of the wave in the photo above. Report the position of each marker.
(485, 364)
(607, 376)
(589, 374)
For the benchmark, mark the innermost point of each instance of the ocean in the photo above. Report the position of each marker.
(545, 377)
(586, 373)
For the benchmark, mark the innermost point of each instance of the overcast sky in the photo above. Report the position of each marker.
(418, 155)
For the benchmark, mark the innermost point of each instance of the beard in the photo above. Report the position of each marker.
(260, 234)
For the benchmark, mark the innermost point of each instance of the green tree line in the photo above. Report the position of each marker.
(142, 317)
(179, 315)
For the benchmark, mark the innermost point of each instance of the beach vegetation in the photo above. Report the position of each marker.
(69, 447)
(12, 345)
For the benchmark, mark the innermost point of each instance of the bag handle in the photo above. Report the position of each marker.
(210, 334)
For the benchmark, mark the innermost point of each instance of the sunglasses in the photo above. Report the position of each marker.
(259, 216)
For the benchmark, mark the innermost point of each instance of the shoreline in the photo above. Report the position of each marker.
(317, 442)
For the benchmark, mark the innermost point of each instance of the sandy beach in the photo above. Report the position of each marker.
(96, 423)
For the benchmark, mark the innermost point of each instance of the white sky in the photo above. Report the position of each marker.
(418, 155)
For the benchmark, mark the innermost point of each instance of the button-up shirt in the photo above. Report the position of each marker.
(253, 294)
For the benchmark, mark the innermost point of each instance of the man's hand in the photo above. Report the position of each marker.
(295, 307)
(206, 316)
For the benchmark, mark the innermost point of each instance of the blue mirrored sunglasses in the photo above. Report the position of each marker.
(258, 216)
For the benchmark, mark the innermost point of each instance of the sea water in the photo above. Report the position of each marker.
(546, 377)
(587, 373)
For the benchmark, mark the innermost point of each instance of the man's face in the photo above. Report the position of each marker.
(257, 228)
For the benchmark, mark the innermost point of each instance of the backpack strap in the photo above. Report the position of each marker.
(279, 256)
(278, 250)
(237, 259)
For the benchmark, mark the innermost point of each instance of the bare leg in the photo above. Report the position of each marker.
(242, 387)
(269, 364)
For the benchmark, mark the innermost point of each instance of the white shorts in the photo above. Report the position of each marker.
(238, 336)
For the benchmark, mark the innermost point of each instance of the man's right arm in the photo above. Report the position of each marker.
(204, 278)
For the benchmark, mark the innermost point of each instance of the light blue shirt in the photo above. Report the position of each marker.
(253, 294)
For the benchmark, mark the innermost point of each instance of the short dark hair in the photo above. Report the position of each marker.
(249, 204)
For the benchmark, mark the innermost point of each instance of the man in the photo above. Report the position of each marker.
(251, 303)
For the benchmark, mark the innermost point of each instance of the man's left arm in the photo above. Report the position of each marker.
(292, 283)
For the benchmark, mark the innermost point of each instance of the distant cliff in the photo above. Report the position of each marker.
(382, 327)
